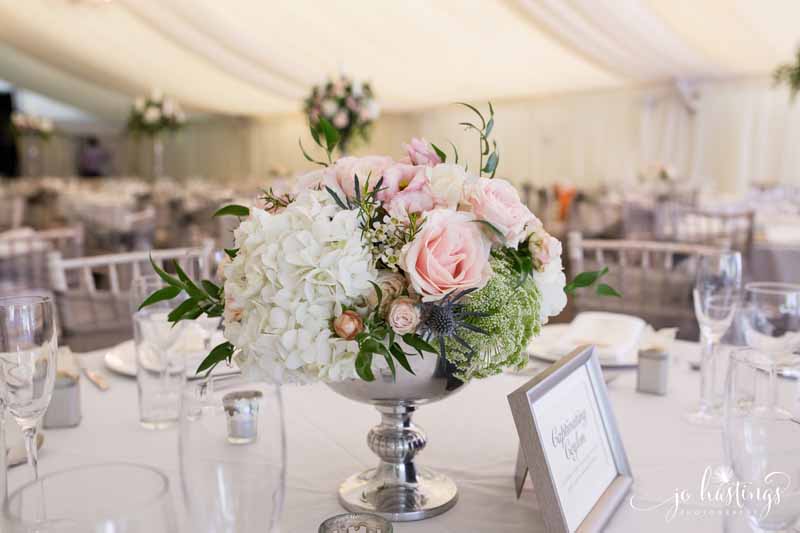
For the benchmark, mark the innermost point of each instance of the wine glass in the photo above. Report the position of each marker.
(111, 497)
(232, 455)
(772, 320)
(761, 439)
(28, 351)
(716, 295)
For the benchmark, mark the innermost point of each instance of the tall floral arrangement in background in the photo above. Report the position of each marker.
(373, 262)
(348, 104)
(155, 114)
(789, 74)
(31, 125)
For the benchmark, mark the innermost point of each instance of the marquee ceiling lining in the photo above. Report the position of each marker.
(259, 57)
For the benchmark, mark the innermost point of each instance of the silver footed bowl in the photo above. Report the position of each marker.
(398, 489)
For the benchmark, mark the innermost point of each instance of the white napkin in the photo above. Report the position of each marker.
(661, 340)
(615, 336)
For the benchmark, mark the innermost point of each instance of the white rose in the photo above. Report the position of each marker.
(168, 108)
(447, 183)
(551, 282)
(341, 120)
(138, 104)
(152, 115)
(329, 107)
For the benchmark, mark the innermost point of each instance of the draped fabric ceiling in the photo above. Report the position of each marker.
(259, 57)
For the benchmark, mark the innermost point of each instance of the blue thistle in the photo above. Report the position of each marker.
(446, 319)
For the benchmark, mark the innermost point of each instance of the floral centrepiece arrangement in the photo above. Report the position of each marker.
(155, 114)
(24, 125)
(374, 259)
(348, 104)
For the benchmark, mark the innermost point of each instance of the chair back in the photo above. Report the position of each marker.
(92, 293)
(655, 278)
(733, 230)
(12, 214)
(23, 256)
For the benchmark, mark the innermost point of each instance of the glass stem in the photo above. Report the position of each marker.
(707, 364)
(32, 449)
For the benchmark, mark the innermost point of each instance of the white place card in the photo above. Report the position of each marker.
(569, 441)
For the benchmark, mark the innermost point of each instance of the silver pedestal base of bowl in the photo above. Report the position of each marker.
(398, 489)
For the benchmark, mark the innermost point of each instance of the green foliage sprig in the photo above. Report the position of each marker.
(322, 132)
(378, 339)
(488, 148)
(588, 279)
(203, 298)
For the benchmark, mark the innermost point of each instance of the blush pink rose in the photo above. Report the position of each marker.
(450, 253)
(420, 152)
(496, 201)
(341, 175)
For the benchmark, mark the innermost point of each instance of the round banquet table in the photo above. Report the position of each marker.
(471, 438)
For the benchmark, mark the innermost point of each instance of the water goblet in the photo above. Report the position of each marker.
(28, 353)
(761, 440)
(716, 296)
(772, 320)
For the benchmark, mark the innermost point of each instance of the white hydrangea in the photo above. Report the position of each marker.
(293, 273)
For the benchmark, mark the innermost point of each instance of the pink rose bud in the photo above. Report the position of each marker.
(420, 152)
(403, 316)
(348, 325)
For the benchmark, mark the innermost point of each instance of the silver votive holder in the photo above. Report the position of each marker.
(241, 410)
(356, 523)
(64, 410)
(653, 374)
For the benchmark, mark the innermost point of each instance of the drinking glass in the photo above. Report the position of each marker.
(716, 295)
(160, 368)
(232, 455)
(113, 498)
(28, 350)
(761, 438)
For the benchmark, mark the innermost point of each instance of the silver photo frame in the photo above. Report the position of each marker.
(534, 458)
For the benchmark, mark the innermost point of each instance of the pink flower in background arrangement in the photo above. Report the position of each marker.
(420, 152)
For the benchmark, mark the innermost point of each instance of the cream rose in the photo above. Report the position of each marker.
(447, 184)
(403, 316)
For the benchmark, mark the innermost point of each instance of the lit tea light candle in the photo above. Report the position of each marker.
(241, 408)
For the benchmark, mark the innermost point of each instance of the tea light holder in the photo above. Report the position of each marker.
(64, 410)
(356, 523)
(653, 372)
(241, 410)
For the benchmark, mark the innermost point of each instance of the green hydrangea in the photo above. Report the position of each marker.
(512, 319)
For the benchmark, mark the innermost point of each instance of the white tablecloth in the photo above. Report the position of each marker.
(471, 438)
